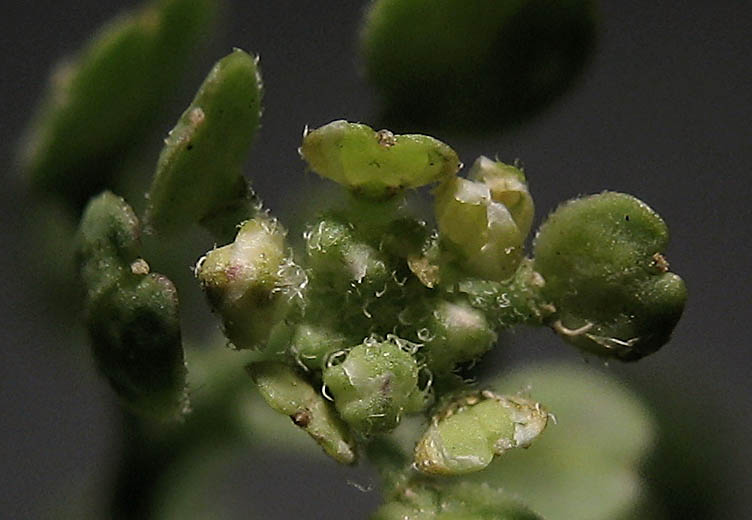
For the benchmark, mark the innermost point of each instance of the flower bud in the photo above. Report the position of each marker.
(312, 344)
(374, 385)
(481, 232)
(340, 260)
(252, 282)
(454, 333)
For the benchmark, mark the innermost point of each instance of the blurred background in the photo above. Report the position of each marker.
(663, 111)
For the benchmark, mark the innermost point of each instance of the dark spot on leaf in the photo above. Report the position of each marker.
(301, 418)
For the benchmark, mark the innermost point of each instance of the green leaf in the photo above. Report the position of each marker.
(101, 102)
(602, 260)
(199, 174)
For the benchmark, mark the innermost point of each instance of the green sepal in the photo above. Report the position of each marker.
(374, 386)
(287, 392)
(131, 314)
(506, 184)
(602, 260)
(199, 172)
(376, 164)
(102, 102)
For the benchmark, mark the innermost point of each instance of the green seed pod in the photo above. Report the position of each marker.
(288, 393)
(131, 314)
(199, 174)
(482, 233)
(430, 500)
(466, 435)
(602, 259)
(377, 164)
(251, 283)
(474, 65)
(374, 385)
(454, 333)
(102, 102)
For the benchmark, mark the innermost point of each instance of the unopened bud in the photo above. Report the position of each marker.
(252, 282)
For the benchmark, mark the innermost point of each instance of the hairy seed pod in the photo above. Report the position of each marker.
(602, 259)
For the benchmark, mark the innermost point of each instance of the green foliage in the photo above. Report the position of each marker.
(474, 65)
(100, 103)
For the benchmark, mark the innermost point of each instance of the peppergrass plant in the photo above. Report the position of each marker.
(379, 318)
